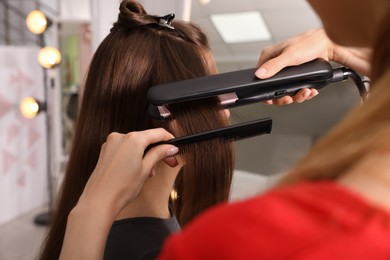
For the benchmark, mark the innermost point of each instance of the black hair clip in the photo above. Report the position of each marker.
(165, 21)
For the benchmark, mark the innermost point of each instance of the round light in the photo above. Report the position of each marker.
(36, 22)
(49, 57)
(29, 107)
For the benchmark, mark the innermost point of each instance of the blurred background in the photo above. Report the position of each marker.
(44, 56)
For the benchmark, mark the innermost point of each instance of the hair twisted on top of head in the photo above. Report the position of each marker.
(132, 14)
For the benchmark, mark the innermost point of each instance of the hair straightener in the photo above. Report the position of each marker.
(230, 133)
(243, 87)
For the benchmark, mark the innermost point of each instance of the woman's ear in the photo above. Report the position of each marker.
(171, 161)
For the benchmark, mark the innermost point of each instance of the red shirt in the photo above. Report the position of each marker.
(318, 220)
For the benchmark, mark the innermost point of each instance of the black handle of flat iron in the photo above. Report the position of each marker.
(248, 97)
(253, 95)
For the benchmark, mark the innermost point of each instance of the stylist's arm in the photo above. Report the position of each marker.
(119, 176)
(306, 47)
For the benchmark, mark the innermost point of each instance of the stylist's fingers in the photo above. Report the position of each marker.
(122, 150)
(274, 65)
(158, 153)
(269, 52)
(105, 154)
(304, 95)
(122, 166)
(294, 51)
(282, 101)
(140, 140)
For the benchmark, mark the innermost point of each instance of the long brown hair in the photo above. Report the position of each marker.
(381, 55)
(136, 54)
(366, 129)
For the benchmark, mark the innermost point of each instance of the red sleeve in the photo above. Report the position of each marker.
(308, 221)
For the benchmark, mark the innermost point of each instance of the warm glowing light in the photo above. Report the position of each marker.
(49, 57)
(174, 195)
(36, 22)
(29, 107)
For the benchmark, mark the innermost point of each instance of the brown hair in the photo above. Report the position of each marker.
(366, 129)
(137, 54)
(207, 175)
(381, 55)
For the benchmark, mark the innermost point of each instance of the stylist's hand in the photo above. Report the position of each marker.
(123, 168)
(306, 47)
(119, 176)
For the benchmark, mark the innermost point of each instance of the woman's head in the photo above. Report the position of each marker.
(137, 54)
(351, 22)
(140, 53)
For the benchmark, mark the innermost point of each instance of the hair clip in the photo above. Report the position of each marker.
(165, 21)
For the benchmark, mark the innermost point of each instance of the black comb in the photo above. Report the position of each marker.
(230, 133)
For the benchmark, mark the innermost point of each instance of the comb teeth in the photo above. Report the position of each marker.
(183, 148)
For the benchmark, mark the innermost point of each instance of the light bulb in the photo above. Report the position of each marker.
(49, 57)
(36, 22)
(29, 107)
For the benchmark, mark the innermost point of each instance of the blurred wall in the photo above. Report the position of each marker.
(23, 168)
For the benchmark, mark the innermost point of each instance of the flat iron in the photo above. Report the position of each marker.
(243, 87)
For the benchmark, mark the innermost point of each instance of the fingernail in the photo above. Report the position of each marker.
(260, 72)
(306, 93)
(172, 151)
(313, 94)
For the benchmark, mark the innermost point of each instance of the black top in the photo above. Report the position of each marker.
(138, 238)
